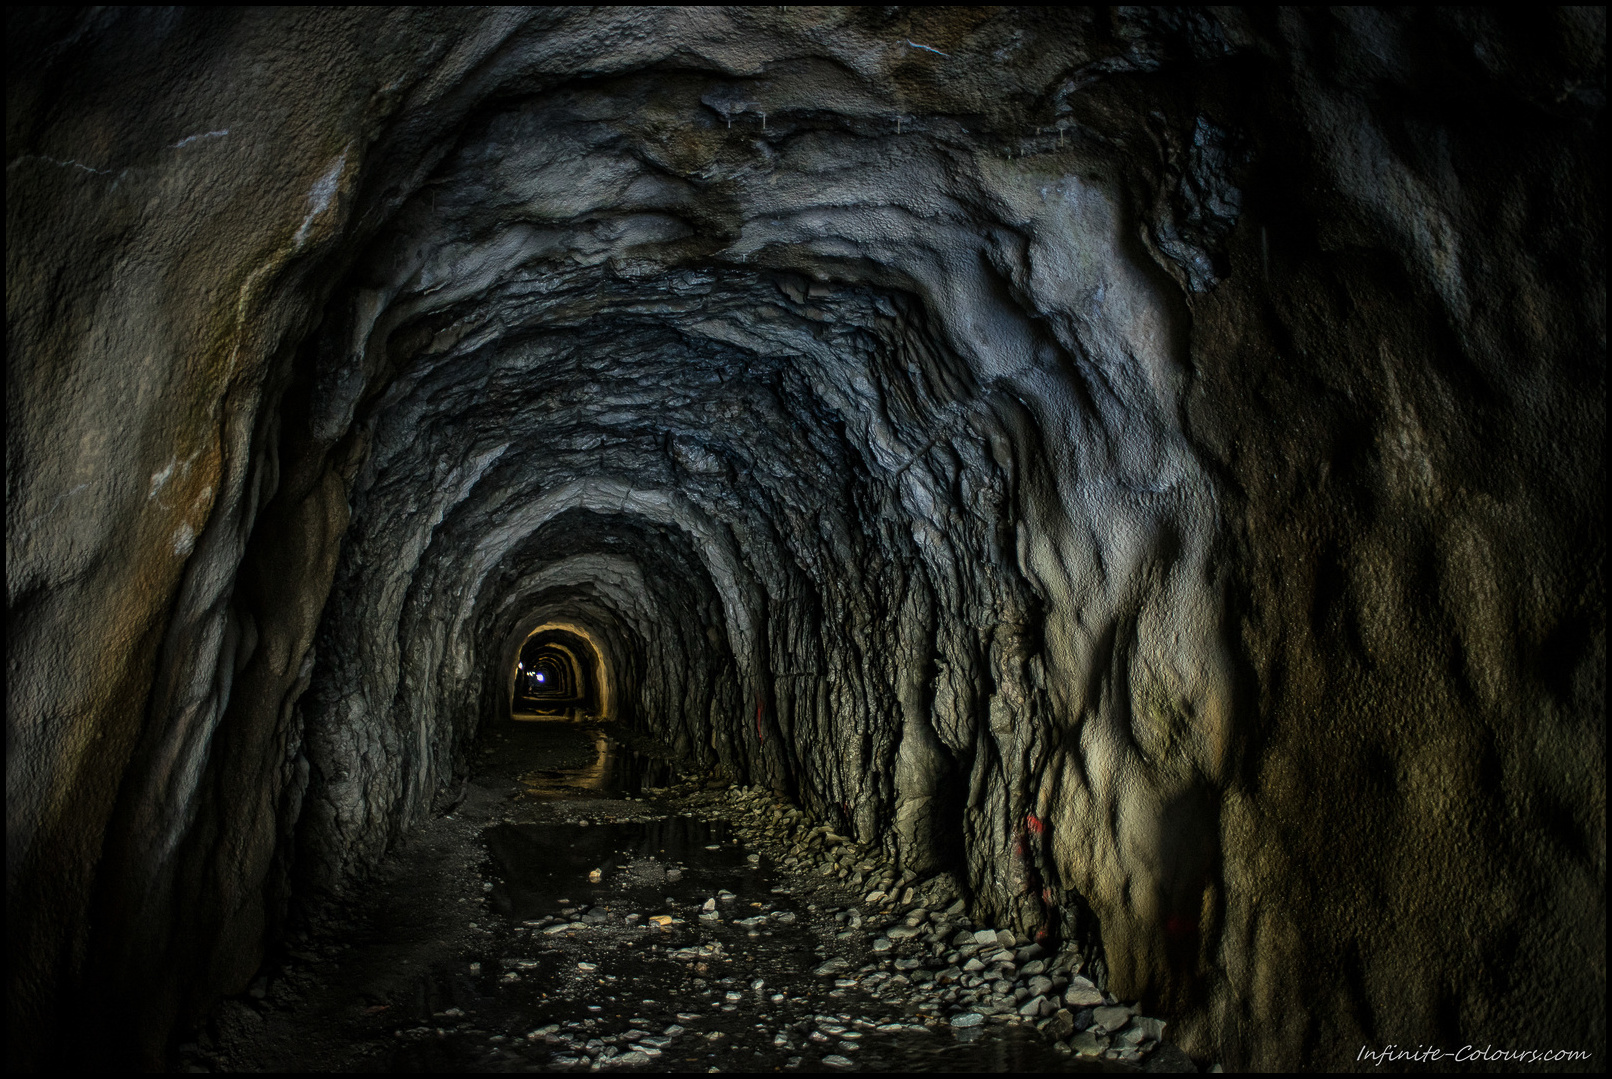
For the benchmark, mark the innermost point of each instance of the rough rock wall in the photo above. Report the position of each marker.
(1147, 463)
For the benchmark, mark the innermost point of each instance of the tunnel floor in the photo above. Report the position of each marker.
(584, 907)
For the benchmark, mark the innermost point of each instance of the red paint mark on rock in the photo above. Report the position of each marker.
(1036, 824)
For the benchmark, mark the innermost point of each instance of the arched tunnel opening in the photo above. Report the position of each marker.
(804, 538)
(557, 673)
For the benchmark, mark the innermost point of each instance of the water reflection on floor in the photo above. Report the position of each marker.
(574, 936)
(539, 864)
(577, 881)
(616, 769)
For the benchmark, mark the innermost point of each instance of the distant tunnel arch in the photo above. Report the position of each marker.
(558, 673)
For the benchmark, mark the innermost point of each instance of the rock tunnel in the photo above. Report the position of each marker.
(1145, 463)
(557, 670)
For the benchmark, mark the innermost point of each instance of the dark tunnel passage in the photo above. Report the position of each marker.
(1081, 528)
(557, 672)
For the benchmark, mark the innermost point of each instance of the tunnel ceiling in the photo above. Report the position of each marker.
(1080, 452)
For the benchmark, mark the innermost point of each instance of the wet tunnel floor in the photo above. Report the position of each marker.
(561, 919)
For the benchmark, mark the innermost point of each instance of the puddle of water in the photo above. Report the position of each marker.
(526, 711)
(639, 862)
(616, 769)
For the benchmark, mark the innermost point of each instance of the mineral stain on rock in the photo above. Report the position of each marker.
(1138, 472)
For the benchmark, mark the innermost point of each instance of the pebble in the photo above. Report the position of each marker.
(1032, 1007)
(967, 1019)
(1111, 1018)
(1131, 1035)
(834, 1060)
(1086, 1044)
(1142, 1029)
(1082, 993)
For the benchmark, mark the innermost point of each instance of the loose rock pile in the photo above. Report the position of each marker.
(691, 929)
(902, 937)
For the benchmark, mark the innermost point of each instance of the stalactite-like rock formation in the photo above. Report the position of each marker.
(1148, 464)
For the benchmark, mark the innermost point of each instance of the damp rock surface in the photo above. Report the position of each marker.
(1146, 466)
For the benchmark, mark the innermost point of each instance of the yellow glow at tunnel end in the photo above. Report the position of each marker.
(601, 670)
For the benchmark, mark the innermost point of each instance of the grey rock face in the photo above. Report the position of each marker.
(1146, 464)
